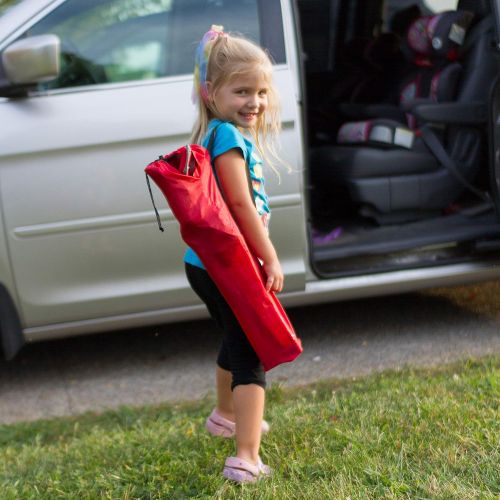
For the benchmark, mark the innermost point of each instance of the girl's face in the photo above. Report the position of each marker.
(242, 100)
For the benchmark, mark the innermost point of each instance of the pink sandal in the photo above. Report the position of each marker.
(264, 469)
(217, 425)
(240, 471)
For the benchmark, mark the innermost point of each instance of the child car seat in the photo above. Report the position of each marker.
(384, 164)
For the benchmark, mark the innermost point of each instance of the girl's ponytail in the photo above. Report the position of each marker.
(202, 57)
(199, 94)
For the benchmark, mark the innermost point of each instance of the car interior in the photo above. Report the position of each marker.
(397, 108)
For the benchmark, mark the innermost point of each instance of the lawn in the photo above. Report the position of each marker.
(400, 434)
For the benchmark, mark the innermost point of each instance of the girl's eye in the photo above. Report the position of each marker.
(263, 93)
(241, 92)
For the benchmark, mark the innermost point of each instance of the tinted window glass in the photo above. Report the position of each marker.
(121, 40)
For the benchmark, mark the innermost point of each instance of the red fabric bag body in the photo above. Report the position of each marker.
(186, 179)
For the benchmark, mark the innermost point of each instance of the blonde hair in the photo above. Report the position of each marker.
(233, 56)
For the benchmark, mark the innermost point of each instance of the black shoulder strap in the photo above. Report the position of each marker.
(210, 144)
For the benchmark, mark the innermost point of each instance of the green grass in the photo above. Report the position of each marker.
(408, 434)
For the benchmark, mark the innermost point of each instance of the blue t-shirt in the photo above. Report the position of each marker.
(228, 137)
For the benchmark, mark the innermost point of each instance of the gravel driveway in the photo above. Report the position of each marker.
(175, 362)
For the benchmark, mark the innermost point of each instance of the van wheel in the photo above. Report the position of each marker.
(11, 334)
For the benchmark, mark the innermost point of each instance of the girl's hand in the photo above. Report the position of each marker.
(274, 276)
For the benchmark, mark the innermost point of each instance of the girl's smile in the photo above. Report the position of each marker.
(242, 100)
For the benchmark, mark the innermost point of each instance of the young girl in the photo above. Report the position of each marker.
(235, 95)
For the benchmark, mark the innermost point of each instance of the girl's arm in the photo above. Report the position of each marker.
(231, 171)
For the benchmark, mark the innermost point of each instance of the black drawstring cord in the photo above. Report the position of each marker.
(154, 206)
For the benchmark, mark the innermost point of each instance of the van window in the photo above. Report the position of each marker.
(121, 40)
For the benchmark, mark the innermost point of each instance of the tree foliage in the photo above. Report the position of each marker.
(7, 3)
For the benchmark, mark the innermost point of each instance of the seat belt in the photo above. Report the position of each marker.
(434, 144)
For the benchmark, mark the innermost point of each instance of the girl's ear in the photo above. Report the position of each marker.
(210, 89)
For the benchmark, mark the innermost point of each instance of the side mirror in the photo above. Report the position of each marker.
(30, 61)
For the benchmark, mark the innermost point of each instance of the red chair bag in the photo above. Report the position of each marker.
(186, 179)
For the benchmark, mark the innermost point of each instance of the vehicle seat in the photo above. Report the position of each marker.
(383, 163)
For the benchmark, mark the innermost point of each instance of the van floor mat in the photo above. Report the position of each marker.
(452, 228)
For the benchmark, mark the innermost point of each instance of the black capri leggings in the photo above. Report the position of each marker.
(236, 354)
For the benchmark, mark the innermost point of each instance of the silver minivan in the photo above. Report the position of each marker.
(93, 90)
